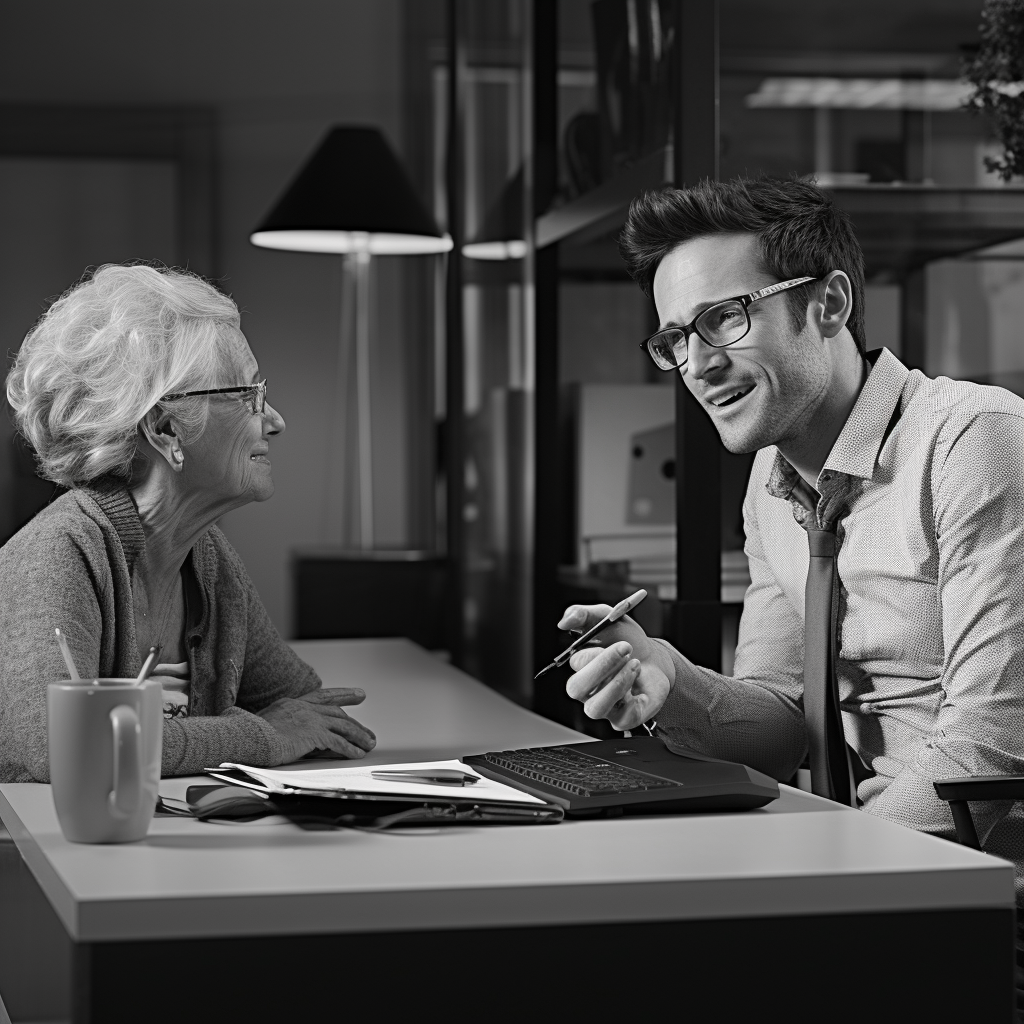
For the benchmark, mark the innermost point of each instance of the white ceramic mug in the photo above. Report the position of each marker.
(105, 740)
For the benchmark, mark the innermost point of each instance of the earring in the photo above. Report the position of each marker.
(176, 454)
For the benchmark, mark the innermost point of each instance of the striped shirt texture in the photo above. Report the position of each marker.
(926, 483)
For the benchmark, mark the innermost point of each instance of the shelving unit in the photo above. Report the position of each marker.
(603, 210)
(902, 227)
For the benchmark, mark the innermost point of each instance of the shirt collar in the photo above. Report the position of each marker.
(855, 452)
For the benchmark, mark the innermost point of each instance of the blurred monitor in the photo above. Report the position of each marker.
(652, 477)
(625, 504)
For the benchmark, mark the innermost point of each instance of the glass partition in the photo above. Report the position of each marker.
(496, 403)
(867, 100)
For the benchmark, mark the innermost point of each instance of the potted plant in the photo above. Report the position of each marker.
(996, 71)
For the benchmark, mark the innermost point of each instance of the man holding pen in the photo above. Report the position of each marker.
(884, 524)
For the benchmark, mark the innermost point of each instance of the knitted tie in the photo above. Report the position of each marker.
(830, 768)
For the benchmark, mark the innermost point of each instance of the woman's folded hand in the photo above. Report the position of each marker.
(316, 721)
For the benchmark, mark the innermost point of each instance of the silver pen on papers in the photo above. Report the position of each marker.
(622, 608)
(432, 776)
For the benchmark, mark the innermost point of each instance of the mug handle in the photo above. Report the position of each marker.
(127, 792)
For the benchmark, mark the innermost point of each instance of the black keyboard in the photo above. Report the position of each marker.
(574, 772)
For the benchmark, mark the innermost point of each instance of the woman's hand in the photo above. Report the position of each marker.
(315, 721)
(626, 679)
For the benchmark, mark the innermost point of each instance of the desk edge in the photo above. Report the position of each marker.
(515, 906)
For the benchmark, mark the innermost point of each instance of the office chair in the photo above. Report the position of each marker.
(956, 792)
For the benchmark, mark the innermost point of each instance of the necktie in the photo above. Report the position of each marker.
(830, 768)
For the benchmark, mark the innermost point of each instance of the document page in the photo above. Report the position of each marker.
(359, 779)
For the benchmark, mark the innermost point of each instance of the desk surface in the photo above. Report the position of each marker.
(420, 708)
(800, 855)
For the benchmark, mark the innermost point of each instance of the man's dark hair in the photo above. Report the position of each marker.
(800, 230)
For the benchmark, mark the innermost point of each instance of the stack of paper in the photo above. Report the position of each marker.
(359, 780)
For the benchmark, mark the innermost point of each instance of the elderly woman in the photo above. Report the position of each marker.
(138, 390)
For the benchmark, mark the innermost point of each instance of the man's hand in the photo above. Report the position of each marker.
(315, 721)
(626, 679)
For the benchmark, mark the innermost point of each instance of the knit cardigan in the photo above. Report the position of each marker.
(71, 567)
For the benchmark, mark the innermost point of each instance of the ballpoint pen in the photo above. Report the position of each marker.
(622, 608)
(149, 664)
(431, 776)
(66, 652)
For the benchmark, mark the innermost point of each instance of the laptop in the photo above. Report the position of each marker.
(637, 775)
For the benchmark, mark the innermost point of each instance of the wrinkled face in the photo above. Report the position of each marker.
(764, 389)
(230, 461)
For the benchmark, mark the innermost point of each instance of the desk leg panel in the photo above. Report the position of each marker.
(955, 965)
(36, 952)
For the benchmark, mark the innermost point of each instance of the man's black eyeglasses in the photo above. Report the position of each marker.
(719, 325)
(257, 394)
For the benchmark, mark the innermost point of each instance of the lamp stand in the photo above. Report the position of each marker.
(360, 263)
(352, 178)
(350, 486)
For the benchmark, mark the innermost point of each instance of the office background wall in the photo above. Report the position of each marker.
(276, 75)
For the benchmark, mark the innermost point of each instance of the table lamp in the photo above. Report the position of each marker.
(354, 198)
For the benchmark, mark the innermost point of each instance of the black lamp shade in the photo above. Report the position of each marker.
(353, 195)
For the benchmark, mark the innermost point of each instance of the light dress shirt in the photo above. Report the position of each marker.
(926, 481)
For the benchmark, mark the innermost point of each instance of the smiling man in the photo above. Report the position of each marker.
(912, 488)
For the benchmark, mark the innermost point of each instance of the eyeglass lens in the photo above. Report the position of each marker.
(719, 326)
(723, 324)
(668, 349)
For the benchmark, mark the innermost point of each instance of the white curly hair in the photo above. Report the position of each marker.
(103, 355)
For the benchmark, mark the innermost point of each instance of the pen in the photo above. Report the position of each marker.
(435, 776)
(624, 606)
(66, 652)
(149, 665)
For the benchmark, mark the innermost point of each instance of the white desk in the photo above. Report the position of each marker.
(796, 874)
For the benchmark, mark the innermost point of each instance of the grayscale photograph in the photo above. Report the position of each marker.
(491, 487)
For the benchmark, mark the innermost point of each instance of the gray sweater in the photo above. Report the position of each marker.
(71, 567)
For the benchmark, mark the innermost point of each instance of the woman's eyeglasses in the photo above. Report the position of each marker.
(719, 325)
(256, 393)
